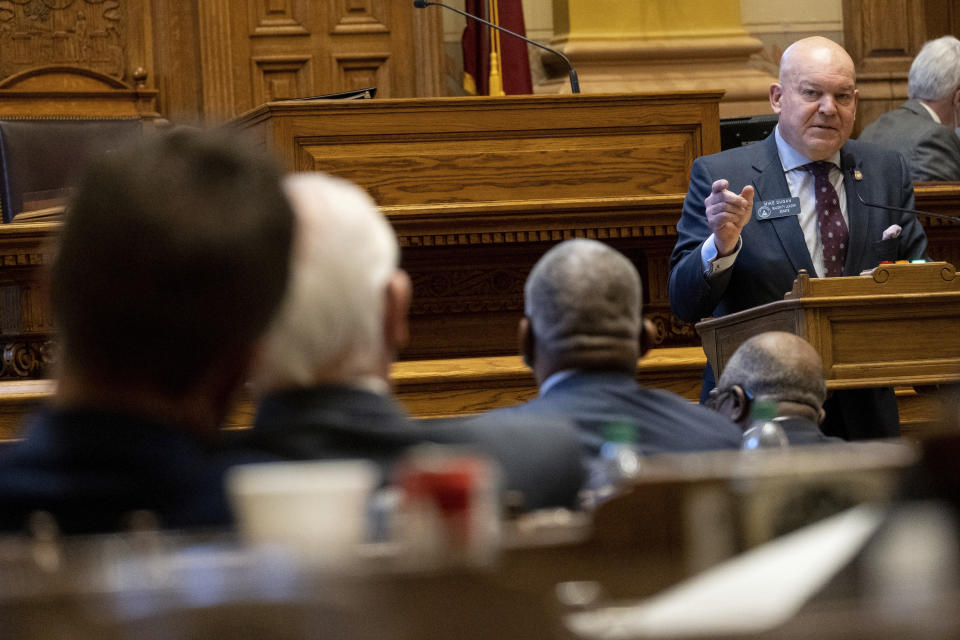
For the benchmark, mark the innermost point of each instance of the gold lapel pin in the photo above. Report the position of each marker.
(857, 175)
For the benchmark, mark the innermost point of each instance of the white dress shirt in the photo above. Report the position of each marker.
(801, 185)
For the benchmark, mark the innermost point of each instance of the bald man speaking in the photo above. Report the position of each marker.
(754, 216)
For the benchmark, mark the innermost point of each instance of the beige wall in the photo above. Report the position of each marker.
(776, 23)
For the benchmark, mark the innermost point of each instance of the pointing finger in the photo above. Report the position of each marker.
(719, 186)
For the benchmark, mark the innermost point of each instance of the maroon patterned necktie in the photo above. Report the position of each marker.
(833, 229)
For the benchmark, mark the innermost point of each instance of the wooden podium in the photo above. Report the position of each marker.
(894, 325)
(478, 188)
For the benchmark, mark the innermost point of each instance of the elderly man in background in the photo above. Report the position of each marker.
(781, 367)
(756, 215)
(923, 128)
(325, 369)
(173, 256)
(581, 336)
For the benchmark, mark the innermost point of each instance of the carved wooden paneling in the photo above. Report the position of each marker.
(351, 44)
(206, 57)
(113, 38)
(280, 77)
(278, 17)
(361, 71)
(360, 16)
(882, 37)
(177, 75)
(943, 17)
(220, 53)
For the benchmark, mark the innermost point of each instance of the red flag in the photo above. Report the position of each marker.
(514, 65)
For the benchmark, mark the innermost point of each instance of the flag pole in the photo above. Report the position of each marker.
(496, 70)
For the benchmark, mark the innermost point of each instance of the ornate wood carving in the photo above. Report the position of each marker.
(90, 33)
(458, 290)
(27, 359)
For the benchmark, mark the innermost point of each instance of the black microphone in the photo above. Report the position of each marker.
(574, 80)
(916, 212)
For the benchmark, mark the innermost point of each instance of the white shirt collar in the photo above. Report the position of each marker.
(371, 383)
(933, 114)
(555, 378)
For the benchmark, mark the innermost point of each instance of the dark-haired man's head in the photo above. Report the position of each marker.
(172, 258)
(582, 305)
(777, 366)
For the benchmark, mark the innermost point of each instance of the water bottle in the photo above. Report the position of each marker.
(764, 432)
(617, 464)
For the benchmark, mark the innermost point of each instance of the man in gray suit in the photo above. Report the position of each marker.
(922, 129)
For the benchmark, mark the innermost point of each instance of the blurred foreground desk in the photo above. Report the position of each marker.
(683, 515)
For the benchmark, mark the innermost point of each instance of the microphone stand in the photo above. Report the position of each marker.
(938, 216)
(574, 80)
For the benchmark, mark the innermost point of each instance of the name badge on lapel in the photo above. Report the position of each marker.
(779, 208)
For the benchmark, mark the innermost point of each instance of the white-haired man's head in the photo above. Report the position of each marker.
(583, 310)
(936, 69)
(345, 312)
(935, 78)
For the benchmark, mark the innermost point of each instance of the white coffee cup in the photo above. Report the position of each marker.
(316, 510)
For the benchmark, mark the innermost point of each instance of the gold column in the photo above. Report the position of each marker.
(658, 46)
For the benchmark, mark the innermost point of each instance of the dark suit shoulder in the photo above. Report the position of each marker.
(539, 456)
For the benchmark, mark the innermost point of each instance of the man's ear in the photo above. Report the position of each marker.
(526, 342)
(396, 310)
(648, 336)
(731, 402)
(776, 96)
(821, 415)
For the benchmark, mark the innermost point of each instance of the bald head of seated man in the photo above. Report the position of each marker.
(783, 368)
(323, 377)
(582, 335)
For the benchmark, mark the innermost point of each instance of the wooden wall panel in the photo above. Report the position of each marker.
(882, 37)
(280, 77)
(214, 59)
(177, 57)
(278, 17)
(360, 16)
(267, 50)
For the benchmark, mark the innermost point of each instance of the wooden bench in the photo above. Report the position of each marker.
(463, 386)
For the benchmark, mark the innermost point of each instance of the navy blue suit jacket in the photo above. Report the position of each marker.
(664, 421)
(774, 250)
(90, 469)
